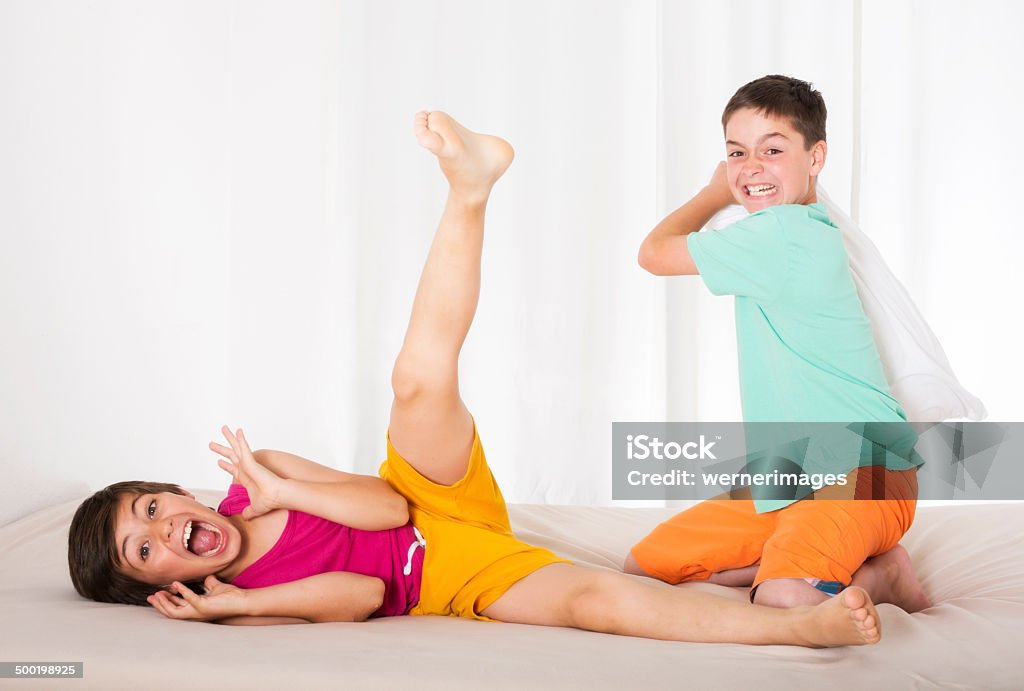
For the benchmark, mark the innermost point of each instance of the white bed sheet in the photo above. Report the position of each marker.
(970, 560)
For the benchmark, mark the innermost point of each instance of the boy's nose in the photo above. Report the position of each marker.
(165, 530)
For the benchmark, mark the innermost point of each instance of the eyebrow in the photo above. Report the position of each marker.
(767, 136)
(124, 543)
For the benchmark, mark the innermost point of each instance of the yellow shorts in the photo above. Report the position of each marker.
(471, 557)
(826, 537)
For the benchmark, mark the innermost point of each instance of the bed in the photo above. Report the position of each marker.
(970, 559)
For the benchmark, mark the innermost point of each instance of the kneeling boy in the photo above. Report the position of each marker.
(806, 354)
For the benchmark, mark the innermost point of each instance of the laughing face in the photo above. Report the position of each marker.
(167, 537)
(767, 162)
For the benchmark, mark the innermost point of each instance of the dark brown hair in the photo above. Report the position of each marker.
(779, 96)
(93, 558)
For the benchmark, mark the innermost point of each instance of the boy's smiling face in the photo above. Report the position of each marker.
(767, 162)
(167, 537)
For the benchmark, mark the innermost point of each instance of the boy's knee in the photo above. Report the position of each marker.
(412, 380)
(597, 603)
(404, 382)
(633, 567)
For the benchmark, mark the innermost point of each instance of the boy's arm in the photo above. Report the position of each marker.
(332, 596)
(664, 252)
(260, 621)
(358, 501)
(288, 465)
(284, 481)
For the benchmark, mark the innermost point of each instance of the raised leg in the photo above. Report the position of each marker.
(566, 595)
(430, 425)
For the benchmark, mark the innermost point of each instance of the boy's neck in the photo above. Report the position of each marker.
(245, 557)
(812, 195)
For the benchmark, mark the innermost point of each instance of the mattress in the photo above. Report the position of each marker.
(970, 559)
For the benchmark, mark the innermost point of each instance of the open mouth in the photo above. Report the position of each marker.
(202, 539)
(757, 191)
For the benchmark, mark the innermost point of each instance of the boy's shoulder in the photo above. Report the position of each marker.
(794, 213)
(799, 223)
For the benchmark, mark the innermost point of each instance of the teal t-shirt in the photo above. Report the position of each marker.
(806, 353)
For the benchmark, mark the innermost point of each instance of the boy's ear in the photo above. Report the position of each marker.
(818, 153)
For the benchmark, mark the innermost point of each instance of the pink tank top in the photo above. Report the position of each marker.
(312, 545)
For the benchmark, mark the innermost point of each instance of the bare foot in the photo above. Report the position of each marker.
(890, 578)
(472, 162)
(849, 618)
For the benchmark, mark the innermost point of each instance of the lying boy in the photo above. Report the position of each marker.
(300, 542)
(806, 354)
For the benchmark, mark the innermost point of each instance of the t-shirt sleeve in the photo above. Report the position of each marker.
(235, 502)
(746, 258)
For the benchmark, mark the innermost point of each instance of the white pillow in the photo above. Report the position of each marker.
(29, 489)
(916, 367)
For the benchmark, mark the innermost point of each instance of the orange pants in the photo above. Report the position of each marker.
(826, 536)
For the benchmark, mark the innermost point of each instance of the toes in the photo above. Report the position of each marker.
(867, 626)
(854, 597)
(439, 120)
(427, 138)
(420, 122)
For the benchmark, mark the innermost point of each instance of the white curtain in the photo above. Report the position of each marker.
(215, 212)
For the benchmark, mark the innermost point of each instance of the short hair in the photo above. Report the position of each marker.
(93, 557)
(779, 96)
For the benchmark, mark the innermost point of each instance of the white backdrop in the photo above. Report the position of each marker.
(215, 212)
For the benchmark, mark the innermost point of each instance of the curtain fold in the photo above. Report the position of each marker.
(216, 213)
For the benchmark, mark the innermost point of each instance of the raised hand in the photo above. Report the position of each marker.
(718, 187)
(263, 486)
(221, 600)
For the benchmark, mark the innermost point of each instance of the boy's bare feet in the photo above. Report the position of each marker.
(890, 578)
(472, 162)
(849, 618)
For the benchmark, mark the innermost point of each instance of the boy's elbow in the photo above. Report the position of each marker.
(393, 508)
(377, 601)
(652, 261)
(368, 599)
(647, 258)
(374, 601)
(401, 511)
(390, 513)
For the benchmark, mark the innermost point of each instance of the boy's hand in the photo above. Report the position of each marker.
(221, 600)
(263, 486)
(718, 190)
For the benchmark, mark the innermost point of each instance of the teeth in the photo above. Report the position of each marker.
(187, 535)
(760, 190)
